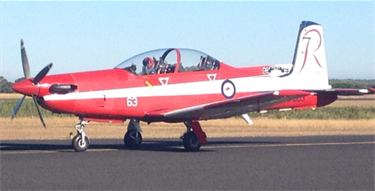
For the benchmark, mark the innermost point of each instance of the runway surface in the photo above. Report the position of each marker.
(261, 163)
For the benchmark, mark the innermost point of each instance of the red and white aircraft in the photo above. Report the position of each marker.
(183, 85)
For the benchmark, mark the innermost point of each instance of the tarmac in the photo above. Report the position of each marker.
(248, 163)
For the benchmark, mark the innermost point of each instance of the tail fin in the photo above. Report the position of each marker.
(309, 61)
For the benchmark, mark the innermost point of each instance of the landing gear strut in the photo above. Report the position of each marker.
(133, 137)
(81, 142)
(194, 136)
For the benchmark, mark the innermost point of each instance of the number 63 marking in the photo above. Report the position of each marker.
(132, 101)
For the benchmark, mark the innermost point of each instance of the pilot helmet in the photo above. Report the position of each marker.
(148, 62)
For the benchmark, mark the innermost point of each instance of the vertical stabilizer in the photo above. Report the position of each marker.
(309, 61)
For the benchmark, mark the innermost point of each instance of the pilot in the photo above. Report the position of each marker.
(148, 66)
(132, 68)
(209, 65)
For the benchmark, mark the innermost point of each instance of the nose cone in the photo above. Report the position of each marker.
(26, 87)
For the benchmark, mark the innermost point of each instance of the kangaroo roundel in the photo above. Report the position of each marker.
(228, 89)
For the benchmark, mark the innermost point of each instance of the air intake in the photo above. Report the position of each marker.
(62, 88)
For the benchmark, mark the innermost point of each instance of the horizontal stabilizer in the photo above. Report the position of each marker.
(348, 92)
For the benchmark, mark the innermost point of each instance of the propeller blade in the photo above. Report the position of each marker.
(18, 105)
(39, 113)
(25, 61)
(42, 73)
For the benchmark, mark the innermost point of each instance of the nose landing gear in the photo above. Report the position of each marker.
(81, 142)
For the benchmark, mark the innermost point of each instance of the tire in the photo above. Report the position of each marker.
(191, 141)
(77, 143)
(133, 139)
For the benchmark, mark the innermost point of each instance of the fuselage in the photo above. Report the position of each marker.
(116, 94)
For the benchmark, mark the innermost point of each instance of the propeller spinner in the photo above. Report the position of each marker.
(29, 86)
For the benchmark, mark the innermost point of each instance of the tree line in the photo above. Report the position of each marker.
(5, 85)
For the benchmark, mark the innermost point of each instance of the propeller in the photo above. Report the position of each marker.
(39, 113)
(42, 73)
(29, 87)
(18, 105)
(25, 61)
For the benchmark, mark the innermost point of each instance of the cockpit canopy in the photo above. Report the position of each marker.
(170, 60)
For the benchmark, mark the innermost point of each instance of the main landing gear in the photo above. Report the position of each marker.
(133, 137)
(81, 142)
(192, 139)
(194, 136)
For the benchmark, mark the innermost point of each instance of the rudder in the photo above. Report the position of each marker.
(309, 61)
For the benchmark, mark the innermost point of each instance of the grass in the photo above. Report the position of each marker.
(357, 103)
(63, 127)
(10, 96)
(343, 117)
(26, 110)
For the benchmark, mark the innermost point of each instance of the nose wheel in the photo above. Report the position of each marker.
(80, 142)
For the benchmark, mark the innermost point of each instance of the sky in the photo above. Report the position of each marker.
(94, 35)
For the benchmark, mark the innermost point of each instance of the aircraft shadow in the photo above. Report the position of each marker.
(147, 145)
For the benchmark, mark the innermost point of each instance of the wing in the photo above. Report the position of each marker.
(241, 105)
(231, 107)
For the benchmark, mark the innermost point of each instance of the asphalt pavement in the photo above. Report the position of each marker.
(258, 163)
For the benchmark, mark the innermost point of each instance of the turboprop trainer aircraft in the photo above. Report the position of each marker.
(183, 85)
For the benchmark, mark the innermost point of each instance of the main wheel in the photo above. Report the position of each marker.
(191, 141)
(79, 145)
(133, 139)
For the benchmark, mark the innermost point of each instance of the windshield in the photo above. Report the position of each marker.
(169, 61)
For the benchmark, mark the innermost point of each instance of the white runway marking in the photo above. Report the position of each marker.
(53, 151)
(290, 144)
(247, 145)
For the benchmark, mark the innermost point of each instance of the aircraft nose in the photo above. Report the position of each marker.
(26, 87)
